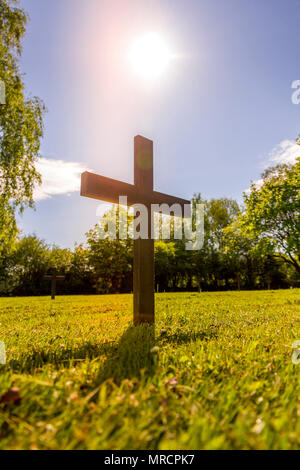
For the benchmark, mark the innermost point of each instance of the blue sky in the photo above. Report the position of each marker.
(219, 114)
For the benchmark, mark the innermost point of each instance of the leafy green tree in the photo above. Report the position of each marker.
(21, 125)
(165, 265)
(28, 263)
(210, 264)
(272, 213)
(80, 275)
(219, 214)
(111, 261)
(59, 259)
(24, 267)
(6, 273)
(248, 263)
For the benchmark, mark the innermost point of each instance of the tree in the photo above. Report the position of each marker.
(272, 213)
(29, 262)
(219, 214)
(210, 265)
(80, 276)
(165, 262)
(110, 260)
(21, 125)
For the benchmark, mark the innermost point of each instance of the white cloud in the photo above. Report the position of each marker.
(286, 152)
(58, 177)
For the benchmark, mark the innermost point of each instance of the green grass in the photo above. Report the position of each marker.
(217, 375)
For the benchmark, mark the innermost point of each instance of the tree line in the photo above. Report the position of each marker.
(251, 247)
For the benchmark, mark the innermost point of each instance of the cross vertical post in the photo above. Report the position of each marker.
(53, 287)
(143, 264)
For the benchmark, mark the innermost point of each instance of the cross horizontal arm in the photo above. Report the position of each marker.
(58, 278)
(109, 190)
(160, 199)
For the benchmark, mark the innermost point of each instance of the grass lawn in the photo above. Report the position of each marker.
(217, 374)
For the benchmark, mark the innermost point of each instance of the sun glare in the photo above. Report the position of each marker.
(150, 56)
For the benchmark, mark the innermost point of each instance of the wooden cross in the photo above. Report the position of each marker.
(53, 278)
(109, 190)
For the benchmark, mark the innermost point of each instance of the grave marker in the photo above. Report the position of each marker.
(109, 190)
(54, 278)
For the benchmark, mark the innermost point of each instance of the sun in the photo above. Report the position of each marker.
(150, 56)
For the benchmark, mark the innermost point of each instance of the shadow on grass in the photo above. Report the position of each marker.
(125, 358)
(131, 357)
(28, 362)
